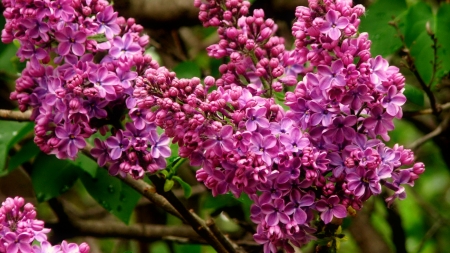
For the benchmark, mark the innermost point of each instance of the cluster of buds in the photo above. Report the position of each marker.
(315, 157)
(19, 229)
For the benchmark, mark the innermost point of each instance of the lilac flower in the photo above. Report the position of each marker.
(18, 242)
(294, 142)
(362, 181)
(339, 162)
(107, 22)
(219, 142)
(138, 117)
(393, 101)
(321, 114)
(63, 9)
(283, 127)
(256, 117)
(329, 208)
(297, 205)
(160, 145)
(71, 141)
(341, 129)
(103, 81)
(380, 122)
(94, 107)
(46, 247)
(70, 40)
(274, 212)
(100, 151)
(124, 46)
(36, 29)
(300, 112)
(331, 75)
(117, 145)
(356, 96)
(264, 146)
(29, 51)
(333, 24)
(378, 69)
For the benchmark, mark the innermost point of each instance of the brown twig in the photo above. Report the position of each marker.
(143, 188)
(169, 202)
(442, 107)
(15, 115)
(196, 222)
(437, 131)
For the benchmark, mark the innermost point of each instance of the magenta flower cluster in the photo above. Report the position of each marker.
(19, 229)
(323, 155)
(86, 88)
(315, 158)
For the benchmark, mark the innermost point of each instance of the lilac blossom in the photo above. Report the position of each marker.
(256, 117)
(363, 182)
(330, 208)
(393, 101)
(107, 22)
(274, 212)
(333, 25)
(221, 141)
(124, 47)
(331, 75)
(71, 41)
(117, 144)
(159, 145)
(70, 139)
(264, 146)
(103, 81)
(341, 129)
(294, 142)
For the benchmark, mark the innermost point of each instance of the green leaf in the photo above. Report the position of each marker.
(111, 193)
(87, 164)
(10, 133)
(186, 187)
(220, 201)
(376, 22)
(443, 38)
(414, 95)
(7, 56)
(419, 41)
(187, 69)
(52, 176)
(168, 184)
(416, 18)
(28, 151)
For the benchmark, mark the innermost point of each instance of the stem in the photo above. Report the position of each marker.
(15, 115)
(196, 223)
(410, 64)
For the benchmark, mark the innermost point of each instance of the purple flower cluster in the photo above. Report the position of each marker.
(323, 155)
(88, 85)
(316, 158)
(19, 228)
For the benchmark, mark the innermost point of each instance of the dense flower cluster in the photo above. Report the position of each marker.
(322, 155)
(99, 57)
(19, 228)
(318, 156)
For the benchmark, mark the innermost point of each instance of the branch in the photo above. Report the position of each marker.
(170, 203)
(441, 128)
(143, 188)
(411, 66)
(15, 115)
(426, 111)
(196, 222)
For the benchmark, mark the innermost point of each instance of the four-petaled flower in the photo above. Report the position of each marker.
(330, 208)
